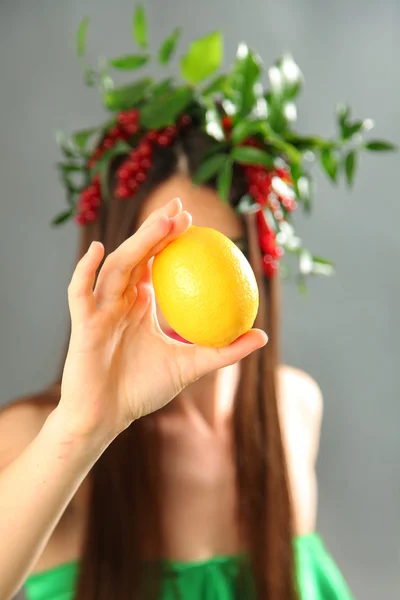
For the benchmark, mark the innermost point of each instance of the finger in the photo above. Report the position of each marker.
(179, 225)
(200, 360)
(171, 209)
(80, 290)
(116, 271)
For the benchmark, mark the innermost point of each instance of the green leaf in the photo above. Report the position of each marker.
(168, 46)
(307, 142)
(244, 79)
(139, 26)
(302, 287)
(329, 162)
(129, 62)
(67, 148)
(81, 36)
(160, 88)
(127, 96)
(119, 148)
(73, 177)
(217, 85)
(224, 181)
(80, 138)
(163, 110)
(380, 146)
(342, 114)
(276, 113)
(248, 155)
(70, 168)
(350, 129)
(63, 217)
(279, 143)
(302, 186)
(350, 166)
(244, 129)
(90, 76)
(203, 58)
(322, 266)
(210, 167)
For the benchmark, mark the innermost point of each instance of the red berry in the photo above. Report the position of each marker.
(254, 190)
(90, 215)
(95, 201)
(133, 115)
(171, 130)
(124, 172)
(289, 204)
(131, 128)
(121, 118)
(283, 174)
(140, 177)
(115, 132)
(108, 143)
(227, 122)
(122, 191)
(184, 120)
(134, 166)
(145, 164)
(133, 185)
(80, 219)
(270, 266)
(85, 194)
(267, 243)
(144, 149)
(164, 140)
(152, 136)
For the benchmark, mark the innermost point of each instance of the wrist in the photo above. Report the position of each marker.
(74, 441)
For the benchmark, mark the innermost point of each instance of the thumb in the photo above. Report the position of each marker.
(200, 360)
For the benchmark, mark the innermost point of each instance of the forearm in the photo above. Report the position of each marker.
(35, 489)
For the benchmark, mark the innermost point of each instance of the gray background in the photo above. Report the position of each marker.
(345, 334)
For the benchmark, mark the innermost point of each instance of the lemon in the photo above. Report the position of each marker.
(205, 287)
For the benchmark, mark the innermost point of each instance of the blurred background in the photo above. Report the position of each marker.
(345, 333)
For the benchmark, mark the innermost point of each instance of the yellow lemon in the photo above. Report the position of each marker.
(205, 287)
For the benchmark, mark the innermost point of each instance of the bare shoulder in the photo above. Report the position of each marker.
(21, 421)
(300, 393)
(300, 412)
(300, 408)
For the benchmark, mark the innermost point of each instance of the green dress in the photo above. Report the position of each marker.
(317, 575)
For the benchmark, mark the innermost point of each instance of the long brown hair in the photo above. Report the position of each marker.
(125, 511)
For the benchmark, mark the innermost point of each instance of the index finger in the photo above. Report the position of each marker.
(116, 271)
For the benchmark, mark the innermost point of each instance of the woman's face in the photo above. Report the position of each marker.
(206, 208)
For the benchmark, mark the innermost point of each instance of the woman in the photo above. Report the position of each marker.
(212, 495)
(165, 488)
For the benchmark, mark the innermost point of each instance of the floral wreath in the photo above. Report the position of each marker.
(248, 125)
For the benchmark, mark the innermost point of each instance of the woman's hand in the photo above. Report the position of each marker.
(120, 365)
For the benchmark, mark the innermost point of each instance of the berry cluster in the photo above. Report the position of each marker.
(260, 181)
(133, 171)
(90, 198)
(261, 187)
(267, 240)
